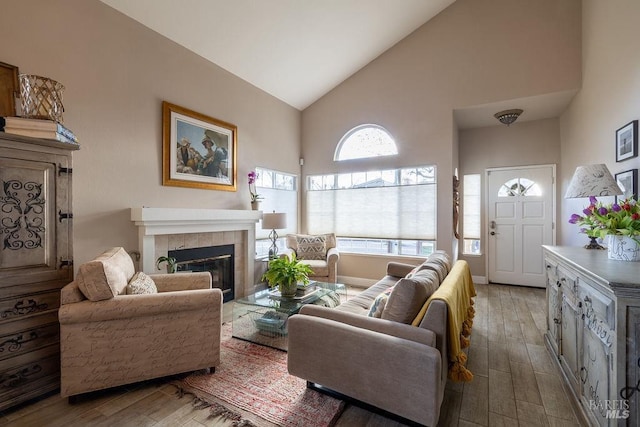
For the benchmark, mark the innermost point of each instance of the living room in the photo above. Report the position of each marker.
(473, 54)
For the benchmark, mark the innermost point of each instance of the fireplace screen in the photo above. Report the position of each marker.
(217, 260)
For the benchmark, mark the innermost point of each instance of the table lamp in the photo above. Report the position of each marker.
(273, 221)
(592, 180)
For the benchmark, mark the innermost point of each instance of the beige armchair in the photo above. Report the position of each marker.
(319, 252)
(109, 338)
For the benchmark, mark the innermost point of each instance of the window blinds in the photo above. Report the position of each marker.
(471, 207)
(285, 201)
(401, 212)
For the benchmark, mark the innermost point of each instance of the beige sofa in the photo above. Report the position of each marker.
(109, 338)
(394, 366)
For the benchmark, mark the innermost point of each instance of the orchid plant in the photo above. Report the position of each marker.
(252, 176)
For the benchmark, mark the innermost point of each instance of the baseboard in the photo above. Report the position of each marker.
(480, 280)
(357, 282)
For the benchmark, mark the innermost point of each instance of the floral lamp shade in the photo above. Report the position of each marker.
(592, 180)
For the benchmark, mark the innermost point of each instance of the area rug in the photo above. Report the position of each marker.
(254, 378)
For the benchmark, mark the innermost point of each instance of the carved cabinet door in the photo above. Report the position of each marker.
(34, 217)
(596, 365)
(554, 302)
(35, 262)
(595, 377)
(631, 390)
(571, 338)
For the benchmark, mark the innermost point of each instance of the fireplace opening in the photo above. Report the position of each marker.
(217, 260)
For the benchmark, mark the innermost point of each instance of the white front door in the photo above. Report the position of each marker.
(521, 213)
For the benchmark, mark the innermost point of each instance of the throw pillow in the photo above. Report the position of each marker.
(141, 284)
(409, 295)
(413, 271)
(106, 275)
(379, 303)
(441, 257)
(312, 247)
(436, 266)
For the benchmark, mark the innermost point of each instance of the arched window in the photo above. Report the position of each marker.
(520, 187)
(365, 141)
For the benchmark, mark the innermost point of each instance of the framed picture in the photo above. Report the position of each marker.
(9, 89)
(197, 151)
(627, 141)
(628, 182)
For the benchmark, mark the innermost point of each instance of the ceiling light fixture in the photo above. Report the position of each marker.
(508, 116)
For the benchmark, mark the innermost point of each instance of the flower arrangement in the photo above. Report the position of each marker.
(252, 176)
(621, 219)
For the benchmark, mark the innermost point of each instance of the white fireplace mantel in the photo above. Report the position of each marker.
(152, 222)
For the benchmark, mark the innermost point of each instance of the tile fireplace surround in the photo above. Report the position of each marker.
(164, 229)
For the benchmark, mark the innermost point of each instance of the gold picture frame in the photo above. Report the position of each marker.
(9, 89)
(198, 151)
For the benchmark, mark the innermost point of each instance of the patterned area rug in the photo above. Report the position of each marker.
(252, 381)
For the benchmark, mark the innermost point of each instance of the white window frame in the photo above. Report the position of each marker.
(347, 140)
(472, 214)
(279, 191)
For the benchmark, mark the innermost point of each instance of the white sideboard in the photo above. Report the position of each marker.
(593, 328)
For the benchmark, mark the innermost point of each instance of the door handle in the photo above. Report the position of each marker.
(493, 233)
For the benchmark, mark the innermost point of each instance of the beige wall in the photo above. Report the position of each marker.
(521, 144)
(609, 99)
(474, 52)
(117, 73)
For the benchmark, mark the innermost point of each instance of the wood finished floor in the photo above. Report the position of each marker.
(516, 382)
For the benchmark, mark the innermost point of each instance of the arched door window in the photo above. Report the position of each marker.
(520, 187)
(365, 141)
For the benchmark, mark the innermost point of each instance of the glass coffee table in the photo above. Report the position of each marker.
(261, 318)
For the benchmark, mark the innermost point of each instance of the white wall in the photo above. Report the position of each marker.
(117, 73)
(609, 98)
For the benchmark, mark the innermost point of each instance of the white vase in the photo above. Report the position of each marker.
(623, 248)
(255, 205)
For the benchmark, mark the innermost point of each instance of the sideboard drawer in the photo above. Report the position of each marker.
(567, 281)
(596, 306)
(26, 335)
(23, 306)
(25, 374)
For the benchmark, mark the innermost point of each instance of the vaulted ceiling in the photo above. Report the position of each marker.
(296, 50)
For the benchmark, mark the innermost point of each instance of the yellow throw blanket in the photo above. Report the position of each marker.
(456, 290)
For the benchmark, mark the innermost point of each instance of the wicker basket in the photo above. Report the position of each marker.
(41, 97)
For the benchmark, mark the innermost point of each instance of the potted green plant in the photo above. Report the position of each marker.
(286, 272)
(171, 263)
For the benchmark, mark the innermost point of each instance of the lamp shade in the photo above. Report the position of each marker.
(274, 221)
(592, 180)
